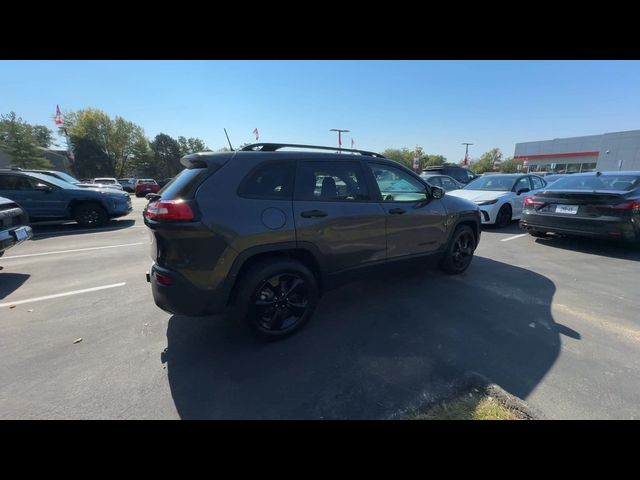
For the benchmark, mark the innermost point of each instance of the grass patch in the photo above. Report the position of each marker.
(472, 405)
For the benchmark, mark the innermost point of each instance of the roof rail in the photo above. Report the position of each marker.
(272, 147)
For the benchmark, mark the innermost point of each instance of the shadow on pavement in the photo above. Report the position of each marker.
(594, 246)
(513, 228)
(10, 282)
(371, 347)
(41, 231)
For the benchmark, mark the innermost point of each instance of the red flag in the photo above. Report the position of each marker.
(255, 132)
(466, 160)
(58, 118)
(339, 139)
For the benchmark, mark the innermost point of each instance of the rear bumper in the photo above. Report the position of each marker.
(182, 297)
(9, 239)
(585, 227)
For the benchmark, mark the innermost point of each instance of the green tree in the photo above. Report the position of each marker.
(18, 140)
(115, 138)
(485, 162)
(433, 160)
(510, 165)
(43, 135)
(403, 156)
(191, 145)
(166, 154)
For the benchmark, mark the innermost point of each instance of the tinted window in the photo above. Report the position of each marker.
(396, 185)
(15, 183)
(522, 183)
(434, 181)
(269, 180)
(448, 183)
(331, 181)
(537, 182)
(183, 183)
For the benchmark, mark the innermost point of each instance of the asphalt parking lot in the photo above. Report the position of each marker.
(555, 322)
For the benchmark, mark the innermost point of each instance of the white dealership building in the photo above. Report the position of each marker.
(605, 152)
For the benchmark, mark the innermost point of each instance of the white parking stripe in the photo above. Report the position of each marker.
(92, 230)
(514, 237)
(74, 250)
(57, 295)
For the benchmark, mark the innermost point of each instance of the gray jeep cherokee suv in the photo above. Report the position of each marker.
(262, 232)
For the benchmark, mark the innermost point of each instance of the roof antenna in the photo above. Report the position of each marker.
(225, 132)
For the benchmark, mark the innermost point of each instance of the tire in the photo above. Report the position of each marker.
(90, 215)
(459, 253)
(538, 234)
(257, 306)
(504, 216)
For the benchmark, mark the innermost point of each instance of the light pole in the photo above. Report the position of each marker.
(466, 153)
(340, 131)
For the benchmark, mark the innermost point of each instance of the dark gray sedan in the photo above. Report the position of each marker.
(594, 204)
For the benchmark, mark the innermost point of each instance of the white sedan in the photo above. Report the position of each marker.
(500, 196)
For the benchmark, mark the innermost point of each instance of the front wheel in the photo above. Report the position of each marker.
(504, 216)
(459, 253)
(276, 298)
(90, 215)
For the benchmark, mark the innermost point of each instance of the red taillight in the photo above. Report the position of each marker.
(163, 279)
(530, 202)
(630, 205)
(169, 210)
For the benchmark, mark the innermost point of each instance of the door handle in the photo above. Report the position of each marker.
(397, 211)
(313, 213)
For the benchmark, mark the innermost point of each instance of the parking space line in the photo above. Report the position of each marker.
(73, 251)
(66, 294)
(514, 237)
(92, 230)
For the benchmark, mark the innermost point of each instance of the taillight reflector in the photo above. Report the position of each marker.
(630, 205)
(529, 201)
(169, 210)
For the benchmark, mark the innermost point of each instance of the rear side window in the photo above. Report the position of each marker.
(331, 182)
(271, 180)
(457, 173)
(183, 184)
(537, 182)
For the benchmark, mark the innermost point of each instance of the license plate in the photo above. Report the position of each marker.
(570, 209)
(21, 234)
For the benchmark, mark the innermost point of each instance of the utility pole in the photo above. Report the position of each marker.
(340, 132)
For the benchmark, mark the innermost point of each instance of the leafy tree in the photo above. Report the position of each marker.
(115, 138)
(434, 160)
(510, 165)
(90, 160)
(167, 154)
(43, 135)
(191, 145)
(485, 162)
(403, 156)
(18, 140)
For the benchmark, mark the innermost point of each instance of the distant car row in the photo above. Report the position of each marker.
(131, 185)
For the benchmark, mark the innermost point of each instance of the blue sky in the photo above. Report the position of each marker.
(436, 104)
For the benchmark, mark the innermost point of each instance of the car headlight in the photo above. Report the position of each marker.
(487, 202)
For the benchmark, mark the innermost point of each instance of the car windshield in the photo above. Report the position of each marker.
(621, 183)
(492, 182)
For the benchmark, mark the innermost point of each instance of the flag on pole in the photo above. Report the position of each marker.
(58, 118)
(255, 132)
(339, 139)
(352, 142)
(465, 162)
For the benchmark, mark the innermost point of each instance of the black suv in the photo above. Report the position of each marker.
(264, 231)
(460, 174)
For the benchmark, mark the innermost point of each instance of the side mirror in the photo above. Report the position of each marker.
(43, 188)
(522, 190)
(437, 192)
